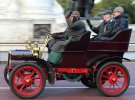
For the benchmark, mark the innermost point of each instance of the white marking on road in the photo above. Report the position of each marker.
(6, 88)
(131, 86)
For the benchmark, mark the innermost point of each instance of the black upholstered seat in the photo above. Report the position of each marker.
(119, 42)
(80, 45)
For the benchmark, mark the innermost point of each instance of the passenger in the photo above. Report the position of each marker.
(104, 30)
(121, 20)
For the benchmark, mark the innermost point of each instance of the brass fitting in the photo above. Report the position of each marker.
(29, 46)
(36, 49)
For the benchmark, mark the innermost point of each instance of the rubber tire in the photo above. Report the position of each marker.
(98, 78)
(11, 78)
(5, 74)
(87, 83)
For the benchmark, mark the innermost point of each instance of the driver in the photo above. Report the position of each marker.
(74, 31)
(60, 35)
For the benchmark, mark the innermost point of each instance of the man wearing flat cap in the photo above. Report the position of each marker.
(62, 34)
(104, 30)
(121, 20)
(74, 31)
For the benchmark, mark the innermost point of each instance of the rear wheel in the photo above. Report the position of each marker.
(113, 79)
(27, 80)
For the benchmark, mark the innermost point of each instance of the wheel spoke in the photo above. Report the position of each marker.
(120, 81)
(110, 86)
(19, 85)
(17, 79)
(110, 70)
(33, 72)
(22, 87)
(22, 75)
(107, 84)
(120, 75)
(114, 87)
(104, 80)
(117, 85)
(116, 70)
(30, 89)
(36, 84)
(25, 90)
(105, 76)
(35, 78)
(19, 75)
(107, 72)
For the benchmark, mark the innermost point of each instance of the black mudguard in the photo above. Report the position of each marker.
(108, 59)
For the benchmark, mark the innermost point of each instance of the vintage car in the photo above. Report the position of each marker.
(97, 64)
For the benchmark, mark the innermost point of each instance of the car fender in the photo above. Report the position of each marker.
(108, 59)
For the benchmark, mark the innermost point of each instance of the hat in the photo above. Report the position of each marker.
(68, 13)
(75, 13)
(118, 9)
(105, 12)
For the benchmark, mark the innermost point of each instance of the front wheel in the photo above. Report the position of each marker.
(113, 79)
(27, 80)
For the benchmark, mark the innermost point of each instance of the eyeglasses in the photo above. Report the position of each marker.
(115, 11)
(104, 14)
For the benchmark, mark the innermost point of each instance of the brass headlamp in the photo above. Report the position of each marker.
(36, 49)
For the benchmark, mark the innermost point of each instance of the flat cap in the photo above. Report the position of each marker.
(118, 9)
(68, 14)
(75, 13)
(105, 12)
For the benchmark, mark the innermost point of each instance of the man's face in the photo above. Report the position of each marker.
(116, 13)
(74, 18)
(106, 17)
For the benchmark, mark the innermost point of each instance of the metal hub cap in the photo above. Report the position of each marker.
(113, 79)
(27, 81)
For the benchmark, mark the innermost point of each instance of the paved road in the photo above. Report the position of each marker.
(68, 90)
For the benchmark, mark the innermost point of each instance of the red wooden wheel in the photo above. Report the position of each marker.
(27, 80)
(113, 79)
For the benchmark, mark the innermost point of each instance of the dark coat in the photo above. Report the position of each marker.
(121, 22)
(104, 30)
(74, 32)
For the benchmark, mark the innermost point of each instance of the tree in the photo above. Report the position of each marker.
(65, 4)
(128, 6)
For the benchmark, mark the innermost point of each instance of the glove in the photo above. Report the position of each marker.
(89, 23)
(54, 34)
